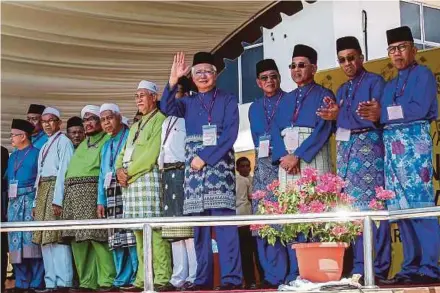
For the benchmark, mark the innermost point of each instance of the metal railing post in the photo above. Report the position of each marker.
(148, 258)
(368, 253)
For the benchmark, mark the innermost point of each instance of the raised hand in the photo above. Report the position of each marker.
(178, 69)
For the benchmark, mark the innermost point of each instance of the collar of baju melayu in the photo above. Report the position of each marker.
(358, 76)
(409, 68)
(274, 96)
(119, 134)
(52, 137)
(38, 135)
(306, 87)
(95, 139)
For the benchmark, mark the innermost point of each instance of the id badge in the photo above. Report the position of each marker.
(395, 112)
(128, 154)
(264, 146)
(161, 159)
(108, 179)
(291, 139)
(13, 187)
(209, 135)
(343, 134)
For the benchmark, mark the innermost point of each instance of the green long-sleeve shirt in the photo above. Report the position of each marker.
(86, 160)
(146, 147)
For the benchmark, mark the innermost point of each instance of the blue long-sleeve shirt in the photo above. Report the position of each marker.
(109, 153)
(224, 116)
(258, 118)
(418, 98)
(39, 139)
(364, 87)
(309, 101)
(23, 166)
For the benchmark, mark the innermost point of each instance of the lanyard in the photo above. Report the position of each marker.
(402, 91)
(140, 128)
(347, 96)
(298, 105)
(169, 128)
(211, 105)
(94, 145)
(270, 117)
(47, 149)
(17, 166)
(113, 158)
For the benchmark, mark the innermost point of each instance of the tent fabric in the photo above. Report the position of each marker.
(69, 54)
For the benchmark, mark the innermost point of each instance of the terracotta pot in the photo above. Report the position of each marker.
(320, 261)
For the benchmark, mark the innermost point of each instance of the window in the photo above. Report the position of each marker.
(239, 75)
(424, 22)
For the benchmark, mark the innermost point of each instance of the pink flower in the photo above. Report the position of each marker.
(339, 231)
(376, 205)
(303, 208)
(256, 227)
(317, 207)
(330, 183)
(347, 199)
(384, 194)
(308, 175)
(259, 194)
(273, 185)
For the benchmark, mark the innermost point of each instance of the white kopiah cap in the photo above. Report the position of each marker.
(148, 85)
(90, 109)
(53, 111)
(109, 107)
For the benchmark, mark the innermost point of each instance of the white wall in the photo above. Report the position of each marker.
(319, 25)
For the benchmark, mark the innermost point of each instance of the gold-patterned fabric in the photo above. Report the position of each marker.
(80, 203)
(44, 212)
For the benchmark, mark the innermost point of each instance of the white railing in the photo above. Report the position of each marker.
(147, 226)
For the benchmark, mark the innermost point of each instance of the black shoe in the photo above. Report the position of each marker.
(81, 289)
(168, 287)
(251, 286)
(423, 279)
(108, 289)
(47, 290)
(228, 287)
(131, 288)
(185, 286)
(195, 287)
(397, 280)
(267, 285)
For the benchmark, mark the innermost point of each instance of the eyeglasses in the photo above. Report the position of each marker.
(107, 118)
(76, 132)
(50, 121)
(300, 65)
(401, 48)
(267, 77)
(200, 73)
(349, 58)
(15, 134)
(142, 95)
(91, 119)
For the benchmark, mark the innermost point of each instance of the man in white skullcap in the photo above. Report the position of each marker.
(53, 160)
(110, 204)
(93, 260)
(138, 174)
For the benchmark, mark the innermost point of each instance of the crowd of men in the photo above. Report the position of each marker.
(177, 159)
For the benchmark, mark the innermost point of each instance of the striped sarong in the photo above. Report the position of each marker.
(141, 199)
(321, 162)
(117, 238)
(213, 187)
(80, 203)
(360, 163)
(408, 165)
(44, 211)
(20, 210)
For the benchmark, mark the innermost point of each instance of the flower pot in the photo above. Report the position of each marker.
(320, 262)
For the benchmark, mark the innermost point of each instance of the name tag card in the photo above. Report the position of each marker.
(108, 179)
(13, 187)
(264, 146)
(343, 134)
(161, 159)
(209, 135)
(395, 112)
(291, 139)
(128, 154)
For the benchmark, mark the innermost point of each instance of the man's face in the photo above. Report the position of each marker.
(91, 123)
(402, 54)
(76, 134)
(244, 168)
(51, 124)
(204, 76)
(35, 119)
(302, 70)
(269, 82)
(350, 61)
(18, 137)
(110, 122)
(145, 100)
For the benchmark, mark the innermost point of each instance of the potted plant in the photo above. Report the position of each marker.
(320, 259)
